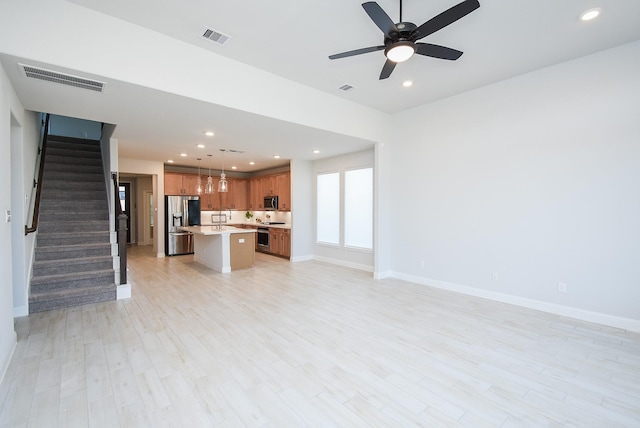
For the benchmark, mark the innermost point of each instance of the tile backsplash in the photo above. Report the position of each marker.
(239, 216)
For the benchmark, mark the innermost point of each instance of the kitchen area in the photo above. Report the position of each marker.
(259, 206)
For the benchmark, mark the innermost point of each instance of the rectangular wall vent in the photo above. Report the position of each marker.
(346, 87)
(65, 79)
(216, 36)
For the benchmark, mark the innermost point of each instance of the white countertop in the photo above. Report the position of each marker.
(213, 230)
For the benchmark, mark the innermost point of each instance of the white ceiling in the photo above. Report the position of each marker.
(293, 39)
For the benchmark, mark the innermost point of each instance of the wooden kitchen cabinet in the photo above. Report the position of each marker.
(176, 183)
(256, 198)
(280, 242)
(239, 194)
(284, 191)
(270, 185)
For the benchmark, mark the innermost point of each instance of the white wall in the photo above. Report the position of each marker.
(302, 225)
(360, 259)
(25, 137)
(10, 111)
(536, 178)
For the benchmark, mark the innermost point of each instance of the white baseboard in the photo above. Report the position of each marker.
(382, 275)
(301, 258)
(344, 263)
(124, 291)
(20, 311)
(160, 255)
(567, 311)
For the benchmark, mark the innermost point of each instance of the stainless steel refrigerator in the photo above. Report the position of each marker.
(180, 211)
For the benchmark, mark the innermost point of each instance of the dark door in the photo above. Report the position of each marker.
(125, 204)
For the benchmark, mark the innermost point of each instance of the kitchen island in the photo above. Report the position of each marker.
(223, 248)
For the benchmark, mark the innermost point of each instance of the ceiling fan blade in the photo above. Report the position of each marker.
(356, 52)
(380, 17)
(447, 17)
(387, 69)
(437, 51)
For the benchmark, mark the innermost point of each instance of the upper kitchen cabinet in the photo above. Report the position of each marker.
(255, 194)
(284, 191)
(180, 184)
(238, 195)
(270, 185)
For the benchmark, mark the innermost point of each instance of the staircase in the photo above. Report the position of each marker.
(73, 263)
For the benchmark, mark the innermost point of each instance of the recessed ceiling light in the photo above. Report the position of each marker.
(184, 155)
(590, 14)
(276, 156)
(170, 161)
(316, 151)
(407, 83)
(252, 163)
(209, 133)
(200, 146)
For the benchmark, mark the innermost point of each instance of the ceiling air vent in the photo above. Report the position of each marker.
(346, 87)
(216, 36)
(65, 79)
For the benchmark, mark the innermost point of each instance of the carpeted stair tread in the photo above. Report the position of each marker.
(47, 268)
(74, 194)
(69, 225)
(72, 152)
(54, 184)
(53, 239)
(74, 297)
(73, 172)
(62, 278)
(62, 252)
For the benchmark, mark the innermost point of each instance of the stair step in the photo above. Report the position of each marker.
(66, 252)
(55, 184)
(57, 215)
(71, 280)
(76, 151)
(47, 268)
(70, 172)
(65, 160)
(72, 194)
(57, 239)
(69, 205)
(85, 145)
(72, 226)
(39, 302)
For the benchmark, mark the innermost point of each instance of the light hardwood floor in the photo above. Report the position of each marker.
(311, 344)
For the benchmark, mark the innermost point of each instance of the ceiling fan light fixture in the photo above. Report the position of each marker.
(400, 51)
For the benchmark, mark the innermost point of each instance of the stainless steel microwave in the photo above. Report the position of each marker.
(270, 203)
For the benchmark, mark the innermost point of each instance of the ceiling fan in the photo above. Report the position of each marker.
(400, 39)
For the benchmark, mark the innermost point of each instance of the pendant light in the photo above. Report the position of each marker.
(208, 188)
(222, 184)
(199, 181)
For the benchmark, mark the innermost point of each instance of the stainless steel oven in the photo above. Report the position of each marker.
(263, 238)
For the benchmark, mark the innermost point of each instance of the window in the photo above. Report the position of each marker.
(349, 224)
(358, 208)
(328, 208)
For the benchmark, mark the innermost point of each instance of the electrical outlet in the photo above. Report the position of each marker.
(7, 217)
(495, 276)
(422, 264)
(562, 287)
